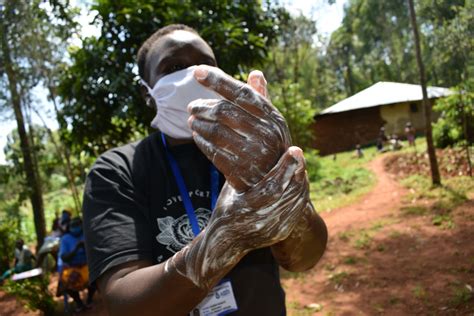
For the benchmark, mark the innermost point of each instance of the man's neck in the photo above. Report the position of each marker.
(175, 141)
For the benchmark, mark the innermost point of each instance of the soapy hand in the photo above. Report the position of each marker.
(244, 135)
(241, 222)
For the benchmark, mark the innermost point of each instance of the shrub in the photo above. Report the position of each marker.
(457, 116)
(7, 243)
(33, 293)
(313, 164)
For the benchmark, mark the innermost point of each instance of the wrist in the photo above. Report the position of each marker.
(210, 256)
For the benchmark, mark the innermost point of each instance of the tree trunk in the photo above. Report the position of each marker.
(34, 183)
(462, 109)
(435, 176)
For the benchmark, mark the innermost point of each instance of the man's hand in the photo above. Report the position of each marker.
(244, 135)
(242, 222)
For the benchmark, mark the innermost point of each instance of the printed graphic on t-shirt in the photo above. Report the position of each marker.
(175, 233)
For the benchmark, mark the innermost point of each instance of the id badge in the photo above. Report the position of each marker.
(219, 301)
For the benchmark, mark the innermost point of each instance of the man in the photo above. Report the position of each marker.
(23, 260)
(153, 245)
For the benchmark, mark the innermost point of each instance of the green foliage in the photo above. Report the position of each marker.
(36, 39)
(375, 43)
(7, 243)
(48, 160)
(297, 111)
(371, 45)
(449, 29)
(456, 124)
(313, 164)
(300, 81)
(33, 293)
(101, 84)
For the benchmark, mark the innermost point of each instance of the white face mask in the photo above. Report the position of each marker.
(172, 94)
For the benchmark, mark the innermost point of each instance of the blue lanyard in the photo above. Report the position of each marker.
(188, 205)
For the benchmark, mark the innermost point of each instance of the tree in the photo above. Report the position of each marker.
(371, 45)
(435, 176)
(374, 43)
(448, 29)
(456, 124)
(28, 36)
(299, 77)
(9, 15)
(102, 104)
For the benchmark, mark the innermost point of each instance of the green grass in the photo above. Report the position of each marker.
(419, 292)
(452, 193)
(350, 260)
(338, 278)
(295, 309)
(362, 238)
(414, 210)
(341, 181)
(460, 294)
(444, 199)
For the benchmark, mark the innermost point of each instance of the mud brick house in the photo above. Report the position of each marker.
(357, 119)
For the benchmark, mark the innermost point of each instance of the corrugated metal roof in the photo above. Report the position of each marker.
(385, 93)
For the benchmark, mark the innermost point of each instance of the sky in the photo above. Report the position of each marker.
(327, 17)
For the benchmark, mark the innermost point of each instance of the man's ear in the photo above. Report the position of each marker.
(146, 96)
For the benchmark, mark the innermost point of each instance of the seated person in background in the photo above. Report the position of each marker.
(358, 152)
(23, 260)
(395, 143)
(159, 235)
(72, 264)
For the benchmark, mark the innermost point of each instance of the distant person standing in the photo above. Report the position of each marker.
(410, 134)
(359, 153)
(72, 264)
(381, 139)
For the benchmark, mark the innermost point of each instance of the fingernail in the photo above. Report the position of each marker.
(200, 73)
(258, 75)
(190, 121)
(295, 151)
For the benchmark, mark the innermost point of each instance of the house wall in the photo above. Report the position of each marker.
(343, 131)
(397, 115)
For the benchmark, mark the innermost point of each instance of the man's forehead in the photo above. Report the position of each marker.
(182, 36)
(175, 40)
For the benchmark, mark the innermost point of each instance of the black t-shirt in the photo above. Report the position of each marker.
(133, 210)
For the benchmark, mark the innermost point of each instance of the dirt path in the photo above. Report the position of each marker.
(381, 261)
(380, 202)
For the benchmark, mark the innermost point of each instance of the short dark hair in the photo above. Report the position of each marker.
(146, 46)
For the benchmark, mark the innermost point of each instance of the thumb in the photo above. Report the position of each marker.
(257, 81)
